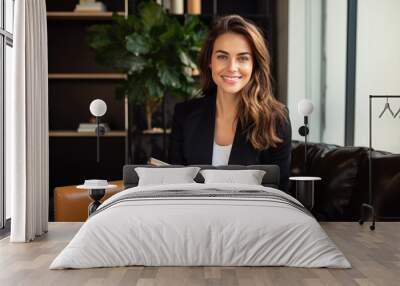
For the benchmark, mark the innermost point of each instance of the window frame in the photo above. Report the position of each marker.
(351, 55)
(6, 39)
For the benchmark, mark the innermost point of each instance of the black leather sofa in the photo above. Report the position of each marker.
(344, 186)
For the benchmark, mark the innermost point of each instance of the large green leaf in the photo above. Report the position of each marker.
(137, 44)
(134, 64)
(168, 76)
(169, 35)
(191, 22)
(151, 14)
(154, 89)
(187, 74)
(186, 60)
(99, 37)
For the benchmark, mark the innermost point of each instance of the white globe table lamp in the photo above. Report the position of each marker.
(98, 108)
(305, 108)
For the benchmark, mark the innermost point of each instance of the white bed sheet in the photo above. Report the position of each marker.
(200, 231)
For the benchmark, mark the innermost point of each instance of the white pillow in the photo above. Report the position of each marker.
(163, 176)
(248, 177)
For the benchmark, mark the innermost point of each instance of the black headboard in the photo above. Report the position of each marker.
(270, 179)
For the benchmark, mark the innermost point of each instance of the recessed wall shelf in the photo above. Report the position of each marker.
(121, 76)
(82, 15)
(75, 80)
(73, 133)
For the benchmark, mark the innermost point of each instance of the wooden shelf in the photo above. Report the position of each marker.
(73, 133)
(87, 76)
(207, 17)
(66, 15)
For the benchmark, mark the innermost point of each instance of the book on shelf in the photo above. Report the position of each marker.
(90, 7)
(155, 162)
(91, 127)
(156, 130)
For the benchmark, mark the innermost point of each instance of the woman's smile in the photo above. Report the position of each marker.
(231, 79)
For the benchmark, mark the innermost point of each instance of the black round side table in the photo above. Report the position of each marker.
(96, 193)
(305, 190)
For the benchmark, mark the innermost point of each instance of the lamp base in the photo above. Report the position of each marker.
(362, 219)
(96, 195)
(100, 130)
(303, 130)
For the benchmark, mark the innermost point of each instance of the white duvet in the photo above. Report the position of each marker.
(200, 231)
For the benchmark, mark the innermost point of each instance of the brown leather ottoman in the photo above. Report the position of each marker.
(71, 204)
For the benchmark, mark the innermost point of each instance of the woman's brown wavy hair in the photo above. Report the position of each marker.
(259, 113)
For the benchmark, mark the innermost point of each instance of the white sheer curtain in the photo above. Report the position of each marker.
(27, 173)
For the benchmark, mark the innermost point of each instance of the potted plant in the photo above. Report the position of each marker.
(154, 50)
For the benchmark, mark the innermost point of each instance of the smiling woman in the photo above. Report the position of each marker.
(238, 121)
(231, 67)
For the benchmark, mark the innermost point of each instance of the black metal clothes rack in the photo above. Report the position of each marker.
(369, 205)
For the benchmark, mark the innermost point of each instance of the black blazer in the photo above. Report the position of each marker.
(192, 140)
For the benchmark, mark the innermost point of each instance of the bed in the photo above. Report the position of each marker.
(201, 224)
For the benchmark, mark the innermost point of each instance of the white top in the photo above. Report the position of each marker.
(89, 187)
(220, 155)
(305, 178)
(96, 185)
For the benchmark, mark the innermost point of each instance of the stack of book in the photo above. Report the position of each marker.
(155, 162)
(91, 127)
(90, 6)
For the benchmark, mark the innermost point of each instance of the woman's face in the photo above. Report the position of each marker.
(231, 62)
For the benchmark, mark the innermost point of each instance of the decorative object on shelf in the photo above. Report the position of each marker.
(194, 7)
(305, 108)
(90, 6)
(156, 52)
(177, 7)
(370, 205)
(155, 162)
(92, 119)
(98, 108)
(91, 127)
(97, 190)
(156, 130)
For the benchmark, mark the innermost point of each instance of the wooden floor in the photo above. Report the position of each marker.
(375, 257)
